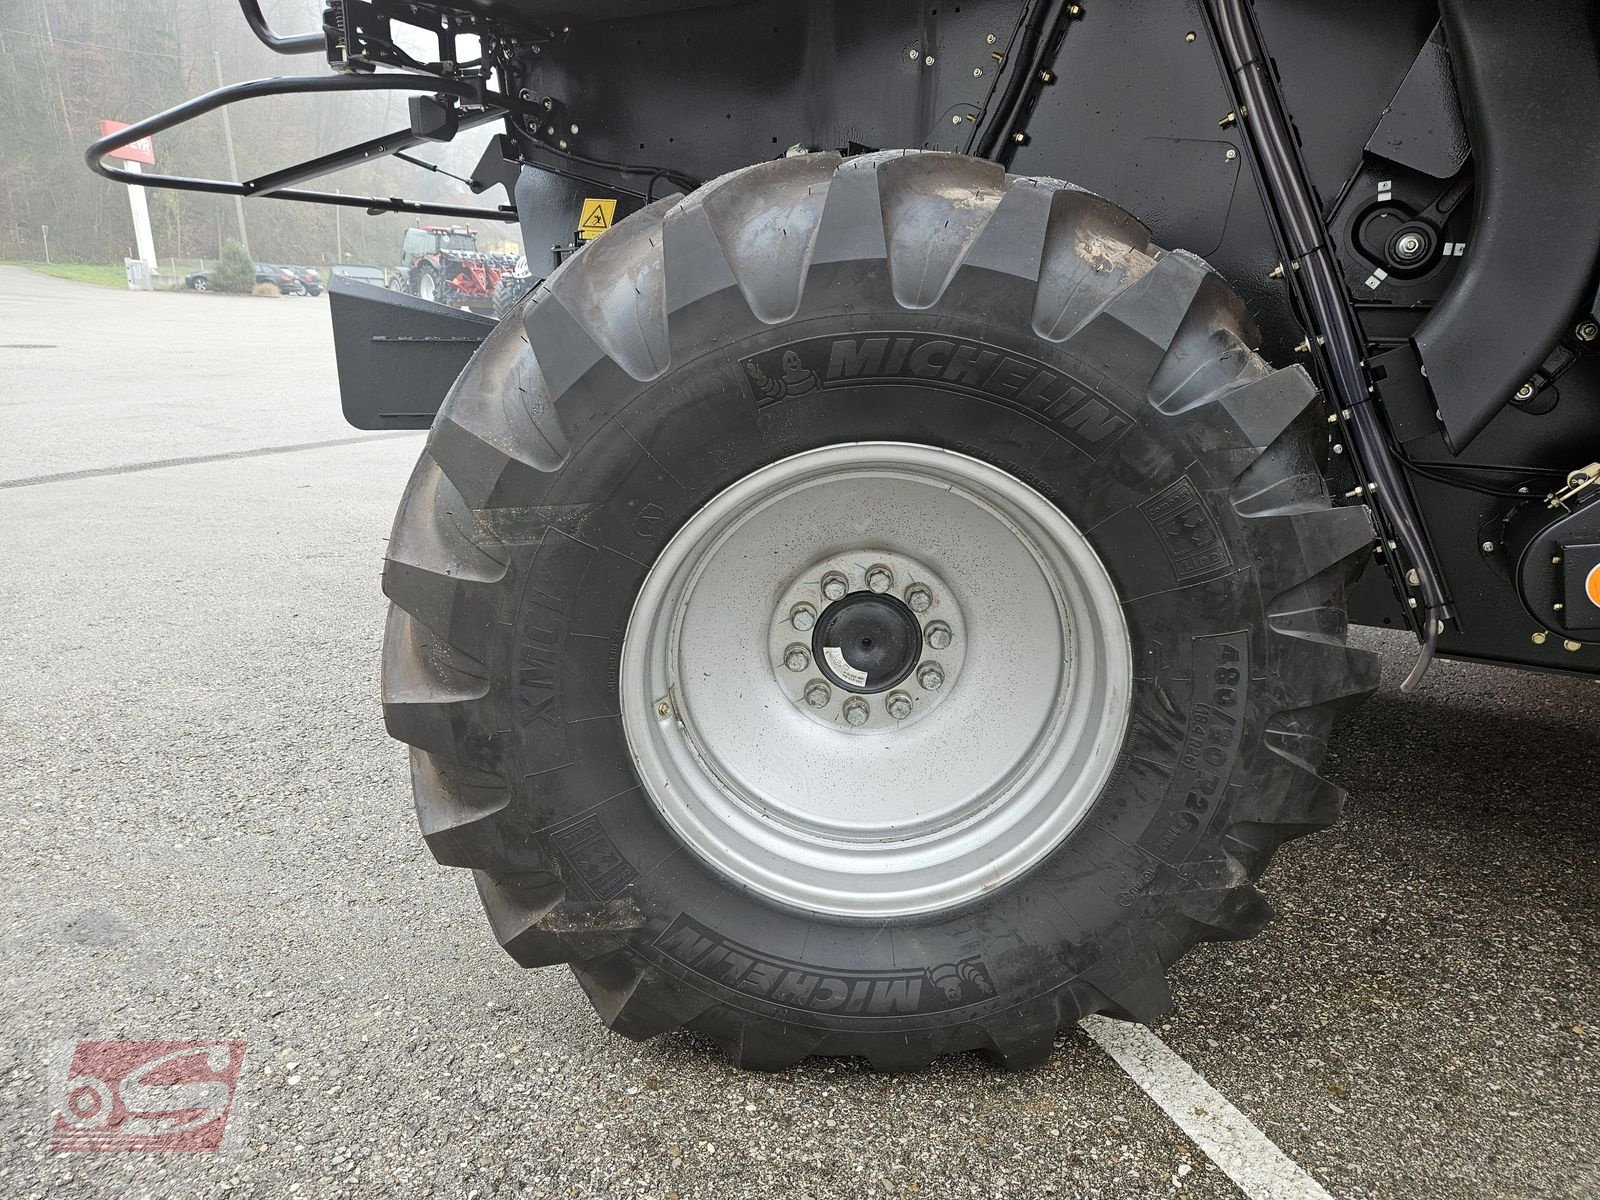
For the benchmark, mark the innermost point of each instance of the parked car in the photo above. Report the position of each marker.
(286, 280)
(309, 278)
(283, 278)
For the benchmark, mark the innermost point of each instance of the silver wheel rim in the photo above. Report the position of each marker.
(425, 289)
(879, 820)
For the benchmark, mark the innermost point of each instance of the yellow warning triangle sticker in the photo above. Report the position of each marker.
(597, 218)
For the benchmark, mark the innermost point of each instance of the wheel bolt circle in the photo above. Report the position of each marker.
(802, 617)
(818, 694)
(879, 578)
(939, 635)
(931, 677)
(835, 586)
(898, 705)
(918, 598)
(856, 711)
(796, 658)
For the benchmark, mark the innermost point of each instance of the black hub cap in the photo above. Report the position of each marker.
(866, 642)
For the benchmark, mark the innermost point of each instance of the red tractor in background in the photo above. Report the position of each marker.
(444, 264)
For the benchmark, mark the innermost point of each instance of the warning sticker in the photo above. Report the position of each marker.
(1592, 586)
(597, 218)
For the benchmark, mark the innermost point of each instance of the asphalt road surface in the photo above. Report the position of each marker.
(206, 835)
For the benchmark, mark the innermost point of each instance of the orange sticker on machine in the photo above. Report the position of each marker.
(1591, 586)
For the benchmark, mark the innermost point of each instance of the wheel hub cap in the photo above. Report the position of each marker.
(875, 679)
(867, 643)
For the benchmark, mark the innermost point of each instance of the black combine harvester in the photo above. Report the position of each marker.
(888, 594)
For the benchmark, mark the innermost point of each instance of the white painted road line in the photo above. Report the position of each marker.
(1229, 1139)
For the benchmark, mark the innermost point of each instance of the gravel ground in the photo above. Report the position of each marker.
(206, 834)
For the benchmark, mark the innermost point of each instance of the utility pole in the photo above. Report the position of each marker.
(233, 163)
(338, 232)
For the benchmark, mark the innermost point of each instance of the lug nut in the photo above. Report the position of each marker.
(899, 705)
(835, 585)
(939, 635)
(879, 578)
(856, 711)
(796, 658)
(818, 694)
(918, 598)
(931, 677)
(802, 617)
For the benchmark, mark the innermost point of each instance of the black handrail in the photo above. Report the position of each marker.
(305, 43)
(486, 106)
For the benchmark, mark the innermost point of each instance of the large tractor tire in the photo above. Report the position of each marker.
(509, 292)
(429, 285)
(874, 607)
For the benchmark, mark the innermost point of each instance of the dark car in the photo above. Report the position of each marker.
(283, 278)
(309, 278)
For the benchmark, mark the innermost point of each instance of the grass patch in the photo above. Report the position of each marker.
(102, 274)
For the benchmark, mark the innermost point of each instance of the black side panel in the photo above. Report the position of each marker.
(1531, 89)
(397, 355)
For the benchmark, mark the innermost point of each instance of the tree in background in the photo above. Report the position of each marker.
(235, 273)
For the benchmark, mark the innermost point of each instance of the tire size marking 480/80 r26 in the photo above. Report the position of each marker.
(1211, 741)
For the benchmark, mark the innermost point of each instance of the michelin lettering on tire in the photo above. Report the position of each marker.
(915, 299)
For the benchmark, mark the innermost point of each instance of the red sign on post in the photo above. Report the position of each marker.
(141, 151)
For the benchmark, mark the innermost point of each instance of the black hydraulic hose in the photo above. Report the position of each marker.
(1335, 332)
